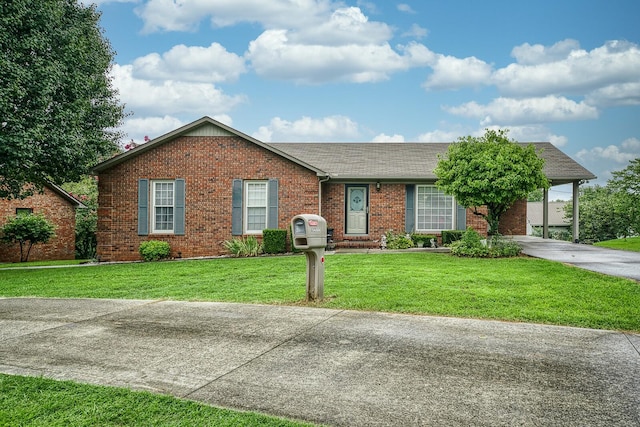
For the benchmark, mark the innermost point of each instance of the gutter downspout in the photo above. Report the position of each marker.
(320, 181)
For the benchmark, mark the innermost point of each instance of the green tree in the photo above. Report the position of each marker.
(627, 183)
(27, 230)
(86, 191)
(536, 195)
(58, 109)
(599, 214)
(490, 171)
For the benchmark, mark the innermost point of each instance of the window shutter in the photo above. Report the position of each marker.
(410, 217)
(236, 210)
(461, 218)
(272, 215)
(143, 207)
(178, 226)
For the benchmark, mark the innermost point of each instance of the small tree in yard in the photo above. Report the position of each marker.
(27, 230)
(490, 171)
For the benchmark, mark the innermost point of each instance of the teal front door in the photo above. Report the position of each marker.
(357, 209)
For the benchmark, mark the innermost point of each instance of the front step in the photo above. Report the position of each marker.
(357, 244)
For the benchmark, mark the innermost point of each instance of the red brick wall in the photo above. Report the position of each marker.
(514, 221)
(57, 210)
(208, 165)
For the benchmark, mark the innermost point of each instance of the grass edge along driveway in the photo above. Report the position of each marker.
(519, 289)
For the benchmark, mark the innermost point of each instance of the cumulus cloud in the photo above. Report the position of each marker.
(440, 136)
(307, 129)
(527, 54)
(450, 72)
(416, 31)
(628, 150)
(212, 64)
(273, 55)
(577, 72)
(509, 111)
(388, 138)
(146, 97)
(163, 15)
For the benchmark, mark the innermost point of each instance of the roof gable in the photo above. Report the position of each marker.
(206, 126)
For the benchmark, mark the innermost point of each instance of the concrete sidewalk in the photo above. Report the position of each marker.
(332, 366)
(595, 258)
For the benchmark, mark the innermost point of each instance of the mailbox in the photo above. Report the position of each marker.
(310, 236)
(309, 231)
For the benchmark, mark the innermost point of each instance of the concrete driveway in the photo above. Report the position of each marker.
(602, 260)
(332, 366)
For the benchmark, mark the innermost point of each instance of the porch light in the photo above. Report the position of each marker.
(378, 186)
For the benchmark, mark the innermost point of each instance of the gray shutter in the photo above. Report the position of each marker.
(461, 218)
(143, 207)
(236, 210)
(178, 215)
(272, 215)
(409, 214)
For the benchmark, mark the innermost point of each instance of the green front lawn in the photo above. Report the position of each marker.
(514, 289)
(628, 244)
(26, 401)
(42, 263)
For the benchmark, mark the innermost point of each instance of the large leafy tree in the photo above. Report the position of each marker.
(58, 109)
(601, 214)
(627, 183)
(491, 171)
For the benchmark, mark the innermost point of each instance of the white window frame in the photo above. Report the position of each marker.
(450, 226)
(153, 204)
(249, 204)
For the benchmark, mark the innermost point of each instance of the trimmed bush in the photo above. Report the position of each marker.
(425, 239)
(450, 236)
(27, 230)
(274, 241)
(473, 245)
(154, 250)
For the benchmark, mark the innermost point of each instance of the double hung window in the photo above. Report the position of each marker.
(255, 206)
(435, 210)
(163, 206)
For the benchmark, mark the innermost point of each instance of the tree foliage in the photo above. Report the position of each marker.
(612, 211)
(58, 109)
(490, 171)
(27, 230)
(86, 191)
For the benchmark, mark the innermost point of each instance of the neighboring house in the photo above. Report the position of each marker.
(206, 182)
(557, 220)
(57, 206)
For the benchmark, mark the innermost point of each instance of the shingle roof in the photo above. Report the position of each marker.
(408, 161)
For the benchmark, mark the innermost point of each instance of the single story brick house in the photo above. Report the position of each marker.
(57, 206)
(206, 182)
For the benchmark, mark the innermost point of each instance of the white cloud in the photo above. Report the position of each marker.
(578, 72)
(152, 127)
(416, 31)
(403, 7)
(273, 55)
(145, 97)
(166, 15)
(509, 111)
(530, 133)
(211, 64)
(618, 154)
(440, 136)
(307, 129)
(527, 54)
(451, 73)
(615, 94)
(388, 138)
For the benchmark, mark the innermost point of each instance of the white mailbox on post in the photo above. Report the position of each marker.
(310, 236)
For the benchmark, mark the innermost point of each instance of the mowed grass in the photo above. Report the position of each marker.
(627, 244)
(514, 289)
(31, 401)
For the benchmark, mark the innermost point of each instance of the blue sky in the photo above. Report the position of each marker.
(563, 71)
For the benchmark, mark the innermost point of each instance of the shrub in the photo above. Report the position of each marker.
(248, 246)
(398, 241)
(274, 241)
(470, 245)
(450, 236)
(154, 250)
(425, 239)
(27, 230)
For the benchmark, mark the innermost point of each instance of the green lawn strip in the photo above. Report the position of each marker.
(32, 401)
(514, 289)
(627, 244)
(42, 263)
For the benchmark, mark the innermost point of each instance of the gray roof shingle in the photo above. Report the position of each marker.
(408, 161)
